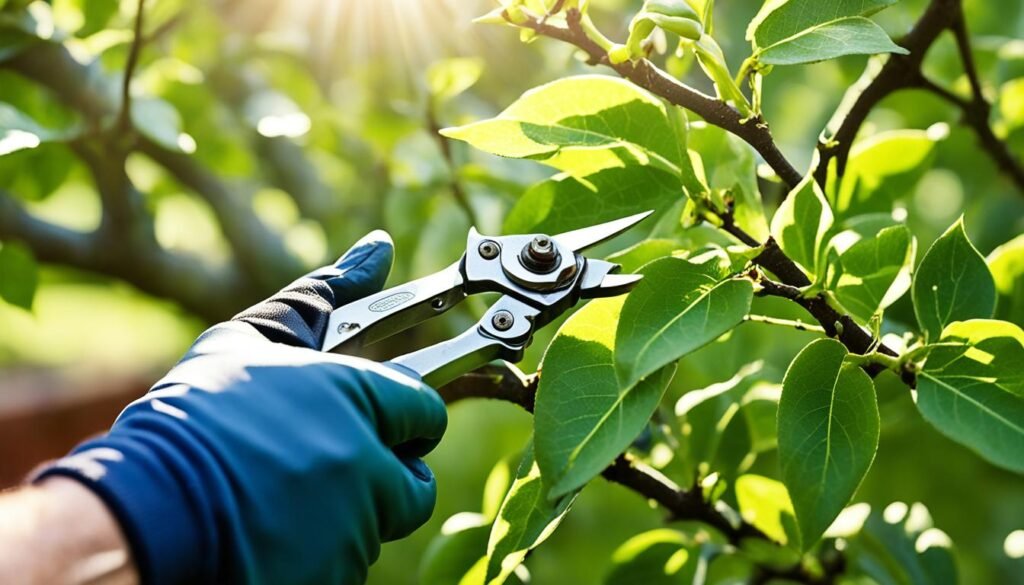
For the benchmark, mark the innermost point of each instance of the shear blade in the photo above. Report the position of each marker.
(600, 280)
(583, 238)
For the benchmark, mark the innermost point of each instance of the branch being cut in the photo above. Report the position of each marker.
(644, 74)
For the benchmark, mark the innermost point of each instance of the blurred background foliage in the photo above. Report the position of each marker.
(318, 119)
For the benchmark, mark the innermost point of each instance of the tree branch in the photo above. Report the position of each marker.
(644, 74)
(211, 293)
(124, 119)
(905, 72)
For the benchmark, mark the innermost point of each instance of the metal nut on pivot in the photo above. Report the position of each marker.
(502, 320)
(540, 255)
(488, 249)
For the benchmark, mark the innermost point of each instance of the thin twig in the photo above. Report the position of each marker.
(443, 143)
(792, 323)
(124, 119)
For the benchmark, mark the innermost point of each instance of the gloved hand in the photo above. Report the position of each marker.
(259, 459)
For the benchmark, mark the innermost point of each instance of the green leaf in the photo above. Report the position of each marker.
(18, 131)
(800, 224)
(952, 283)
(157, 120)
(582, 125)
(711, 424)
(631, 259)
(495, 488)
(658, 557)
(900, 545)
(828, 434)
(765, 503)
(788, 32)
(453, 553)
(972, 389)
(728, 165)
(584, 417)
(883, 168)
(564, 203)
(19, 274)
(678, 307)
(1007, 266)
(872, 272)
(448, 78)
(526, 519)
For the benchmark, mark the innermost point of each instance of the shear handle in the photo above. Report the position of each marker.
(393, 310)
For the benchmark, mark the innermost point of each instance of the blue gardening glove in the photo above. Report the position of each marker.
(258, 459)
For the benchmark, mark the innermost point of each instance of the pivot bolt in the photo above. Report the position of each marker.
(489, 249)
(540, 255)
(503, 320)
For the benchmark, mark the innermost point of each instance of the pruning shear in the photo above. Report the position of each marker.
(539, 276)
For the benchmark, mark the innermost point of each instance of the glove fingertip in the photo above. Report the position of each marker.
(363, 269)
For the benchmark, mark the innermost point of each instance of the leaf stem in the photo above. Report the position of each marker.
(794, 323)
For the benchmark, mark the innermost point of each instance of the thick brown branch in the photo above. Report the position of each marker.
(211, 293)
(904, 72)
(499, 382)
(644, 74)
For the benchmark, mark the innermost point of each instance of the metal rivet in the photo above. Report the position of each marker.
(502, 320)
(489, 249)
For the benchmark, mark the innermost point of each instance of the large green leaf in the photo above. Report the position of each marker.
(658, 557)
(882, 168)
(581, 125)
(158, 120)
(1007, 265)
(872, 272)
(787, 32)
(800, 224)
(952, 283)
(678, 307)
(828, 434)
(564, 203)
(972, 389)
(19, 274)
(584, 417)
(526, 519)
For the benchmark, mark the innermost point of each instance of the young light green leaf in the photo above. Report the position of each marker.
(828, 434)
(584, 416)
(883, 168)
(564, 203)
(658, 557)
(1007, 266)
(872, 272)
(19, 275)
(581, 125)
(678, 307)
(526, 519)
(972, 389)
(765, 503)
(788, 32)
(448, 78)
(800, 224)
(952, 283)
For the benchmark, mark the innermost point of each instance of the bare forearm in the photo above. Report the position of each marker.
(61, 533)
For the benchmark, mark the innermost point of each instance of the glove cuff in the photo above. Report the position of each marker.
(139, 483)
